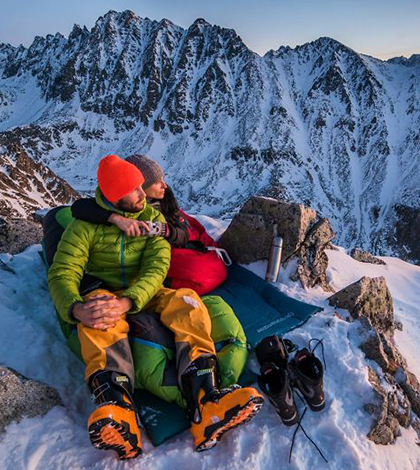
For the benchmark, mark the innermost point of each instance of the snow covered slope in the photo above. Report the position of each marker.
(319, 124)
(31, 342)
(26, 186)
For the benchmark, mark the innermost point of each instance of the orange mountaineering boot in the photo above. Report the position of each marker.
(212, 411)
(114, 424)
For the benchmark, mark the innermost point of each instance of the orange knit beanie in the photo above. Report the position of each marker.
(117, 178)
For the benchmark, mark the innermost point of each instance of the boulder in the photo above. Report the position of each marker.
(16, 234)
(368, 299)
(305, 238)
(381, 349)
(365, 257)
(20, 397)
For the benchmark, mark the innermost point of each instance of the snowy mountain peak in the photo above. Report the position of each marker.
(325, 42)
(200, 23)
(413, 61)
(323, 46)
(318, 124)
(78, 33)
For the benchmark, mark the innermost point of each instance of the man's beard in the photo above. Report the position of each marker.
(129, 206)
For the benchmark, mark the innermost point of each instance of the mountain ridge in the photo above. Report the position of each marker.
(319, 124)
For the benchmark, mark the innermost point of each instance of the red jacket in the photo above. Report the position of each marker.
(194, 266)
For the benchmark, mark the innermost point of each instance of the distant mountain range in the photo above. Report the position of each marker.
(319, 124)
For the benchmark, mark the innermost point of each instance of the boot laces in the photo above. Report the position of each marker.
(299, 426)
(318, 342)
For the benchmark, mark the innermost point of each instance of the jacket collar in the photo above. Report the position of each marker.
(103, 202)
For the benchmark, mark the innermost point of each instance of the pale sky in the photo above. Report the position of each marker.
(381, 28)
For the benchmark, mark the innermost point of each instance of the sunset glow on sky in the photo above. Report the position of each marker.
(380, 28)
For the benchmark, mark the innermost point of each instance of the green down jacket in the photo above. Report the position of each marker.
(152, 344)
(135, 265)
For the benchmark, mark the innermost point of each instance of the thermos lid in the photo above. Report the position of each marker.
(277, 241)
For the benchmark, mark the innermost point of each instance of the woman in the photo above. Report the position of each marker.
(196, 260)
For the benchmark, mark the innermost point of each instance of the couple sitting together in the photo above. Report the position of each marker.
(143, 252)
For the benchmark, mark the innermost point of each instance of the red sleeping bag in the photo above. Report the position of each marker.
(197, 268)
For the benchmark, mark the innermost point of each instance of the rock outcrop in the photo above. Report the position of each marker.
(18, 234)
(393, 411)
(21, 397)
(365, 257)
(305, 238)
(370, 301)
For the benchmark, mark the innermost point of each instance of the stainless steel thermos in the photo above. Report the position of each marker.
(274, 261)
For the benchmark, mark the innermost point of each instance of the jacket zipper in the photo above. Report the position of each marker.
(123, 277)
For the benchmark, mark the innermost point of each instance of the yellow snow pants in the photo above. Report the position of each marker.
(181, 310)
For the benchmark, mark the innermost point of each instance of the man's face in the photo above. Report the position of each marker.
(133, 202)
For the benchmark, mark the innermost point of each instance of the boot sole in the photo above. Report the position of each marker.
(316, 407)
(107, 434)
(242, 416)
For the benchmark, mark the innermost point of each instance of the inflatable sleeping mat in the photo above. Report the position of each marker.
(262, 310)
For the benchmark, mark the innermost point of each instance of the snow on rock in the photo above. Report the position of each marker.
(31, 342)
(365, 257)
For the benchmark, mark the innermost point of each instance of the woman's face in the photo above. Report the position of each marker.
(156, 190)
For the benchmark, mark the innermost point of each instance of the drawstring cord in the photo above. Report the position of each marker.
(222, 254)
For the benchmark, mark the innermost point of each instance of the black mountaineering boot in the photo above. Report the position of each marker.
(271, 349)
(307, 374)
(274, 382)
(274, 379)
(114, 424)
(212, 411)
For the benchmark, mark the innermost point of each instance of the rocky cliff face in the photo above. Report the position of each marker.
(26, 186)
(319, 124)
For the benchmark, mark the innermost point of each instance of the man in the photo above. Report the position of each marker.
(133, 270)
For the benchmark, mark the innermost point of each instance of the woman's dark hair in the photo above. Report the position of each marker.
(168, 205)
